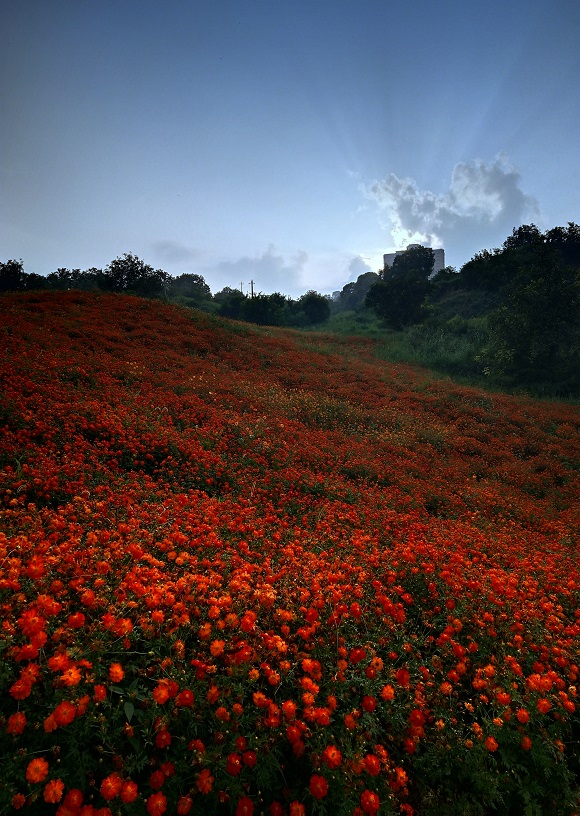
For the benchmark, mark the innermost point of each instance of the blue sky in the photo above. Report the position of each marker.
(288, 142)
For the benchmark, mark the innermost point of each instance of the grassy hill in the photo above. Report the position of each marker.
(249, 570)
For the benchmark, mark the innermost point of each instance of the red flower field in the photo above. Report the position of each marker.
(250, 571)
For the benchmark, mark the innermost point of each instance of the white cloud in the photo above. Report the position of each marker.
(483, 204)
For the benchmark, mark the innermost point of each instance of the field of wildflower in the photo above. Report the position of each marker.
(254, 571)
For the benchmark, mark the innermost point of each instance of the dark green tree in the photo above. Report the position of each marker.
(417, 260)
(130, 274)
(12, 276)
(528, 235)
(229, 302)
(315, 306)
(265, 310)
(192, 287)
(399, 296)
(537, 329)
(352, 295)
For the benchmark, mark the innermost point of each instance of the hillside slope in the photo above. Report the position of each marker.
(214, 532)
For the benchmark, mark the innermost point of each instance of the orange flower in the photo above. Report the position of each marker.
(116, 672)
(156, 804)
(37, 770)
(111, 786)
(388, 693)
(491, 744)
(50, 724)
(64, 713)
(217, 647)
(53, 790)
(74, 798)
(71, 677)
(522, 715)
(543, 705)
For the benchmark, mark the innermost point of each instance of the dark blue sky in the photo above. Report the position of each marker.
(291, 142)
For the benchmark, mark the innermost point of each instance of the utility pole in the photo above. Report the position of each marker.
(252, 287)
(242, 287)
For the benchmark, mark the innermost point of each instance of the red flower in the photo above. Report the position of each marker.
(318, 786)
(185, 698)
(16, 723)
(249, 758)
(111, 786)
(370, 802)
(205, 781)
(184, 805)
(234, 764)
(156, 804)
(372, 764)
(163, 738)
(245, 807)
(129, 791)
(331, 756)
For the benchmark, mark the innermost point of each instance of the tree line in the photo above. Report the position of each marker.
(522, 299)
(130, 275)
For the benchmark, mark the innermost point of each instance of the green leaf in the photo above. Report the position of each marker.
(129, 711)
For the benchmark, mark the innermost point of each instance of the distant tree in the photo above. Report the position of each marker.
(229, 302)
(12, 276)
(399, 296)
(61, 279)
(32, 281)
(417, 261)
(130, 274)
(566, 241)
(315, 306)
(191, 289)
(528, 235)
(265, 310)
(352, 295)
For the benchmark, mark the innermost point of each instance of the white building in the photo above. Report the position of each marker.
(439, 259)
